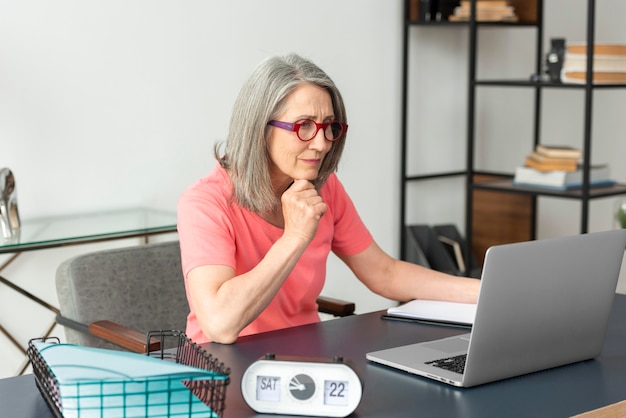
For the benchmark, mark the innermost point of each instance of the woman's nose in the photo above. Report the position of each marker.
(319, 142)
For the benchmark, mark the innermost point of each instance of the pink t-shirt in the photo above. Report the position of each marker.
(214, 231)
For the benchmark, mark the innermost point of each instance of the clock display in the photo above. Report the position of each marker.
(268, 388)
(324, 387)
(302, 387)
(336, 392)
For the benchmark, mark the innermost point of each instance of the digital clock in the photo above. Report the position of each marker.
(302, 386)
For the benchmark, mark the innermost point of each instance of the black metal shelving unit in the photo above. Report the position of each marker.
(505, 185)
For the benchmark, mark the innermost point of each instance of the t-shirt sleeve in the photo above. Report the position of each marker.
(204, 230)
(351, 236)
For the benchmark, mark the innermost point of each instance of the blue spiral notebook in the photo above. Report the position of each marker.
(108, 383)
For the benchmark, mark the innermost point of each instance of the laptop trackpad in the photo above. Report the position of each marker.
(450, 345)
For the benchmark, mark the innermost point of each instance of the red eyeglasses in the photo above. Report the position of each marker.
(307, 129)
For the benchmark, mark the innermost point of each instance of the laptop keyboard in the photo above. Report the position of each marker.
(454, 364)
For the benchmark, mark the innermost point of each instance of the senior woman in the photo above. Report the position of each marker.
(255, 233)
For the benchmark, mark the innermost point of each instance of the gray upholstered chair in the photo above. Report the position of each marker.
(139, 287)
(112, 298)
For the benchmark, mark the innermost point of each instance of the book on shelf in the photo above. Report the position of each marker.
(599, 175)
(485, 4)
(601, 63)
(486, 11)
(580, 77)
(609, 63)
(542, 158)
(543, 163)
(550, 166)
(580, 48)
(558, 151)
(481, 3)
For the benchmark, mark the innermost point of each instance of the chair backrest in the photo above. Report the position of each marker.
(140, 287)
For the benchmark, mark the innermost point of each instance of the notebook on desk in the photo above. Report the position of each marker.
(542, 304)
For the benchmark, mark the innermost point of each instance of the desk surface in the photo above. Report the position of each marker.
(56, 231)
(563, 391)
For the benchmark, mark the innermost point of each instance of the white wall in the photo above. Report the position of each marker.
(108, 104)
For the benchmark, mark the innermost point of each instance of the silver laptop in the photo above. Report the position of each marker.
(542, 304)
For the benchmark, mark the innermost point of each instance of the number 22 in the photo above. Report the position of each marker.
(337, 389)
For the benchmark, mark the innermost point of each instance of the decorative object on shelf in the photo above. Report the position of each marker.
(445, 9)
(9, 215)
(554, 59)
(431, 10)
(426, 10)
(620, 213)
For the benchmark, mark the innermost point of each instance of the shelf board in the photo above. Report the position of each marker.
(435, 23)
(467, 23)
(506, 185)
(435, 175)
(542, 84)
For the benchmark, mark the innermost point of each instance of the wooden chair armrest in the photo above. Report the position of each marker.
(336, 307)
(124, 337)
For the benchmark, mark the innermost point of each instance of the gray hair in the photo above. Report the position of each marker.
(260, 100)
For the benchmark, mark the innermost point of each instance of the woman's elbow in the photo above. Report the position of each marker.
(224, 339)
(218, 332)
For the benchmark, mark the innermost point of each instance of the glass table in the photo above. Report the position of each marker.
(58, 231)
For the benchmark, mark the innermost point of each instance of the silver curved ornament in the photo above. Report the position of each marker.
(9, 215)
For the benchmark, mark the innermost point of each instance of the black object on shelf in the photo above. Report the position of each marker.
(446, 9)
(427, 10)
(436, 10)
(555, 58)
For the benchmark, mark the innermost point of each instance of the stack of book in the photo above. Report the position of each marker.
(486, 11)
(548, 158)
(559, 168)
(609, 63)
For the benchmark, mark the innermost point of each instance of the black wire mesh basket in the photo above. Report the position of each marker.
(212, 392)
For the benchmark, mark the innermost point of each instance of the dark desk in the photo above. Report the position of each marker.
(560, 392)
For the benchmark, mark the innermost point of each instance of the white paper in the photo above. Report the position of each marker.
(436, 311)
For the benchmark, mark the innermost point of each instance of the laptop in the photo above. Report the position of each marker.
(542, 304)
